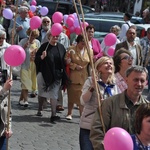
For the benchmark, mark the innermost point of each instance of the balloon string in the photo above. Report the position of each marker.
(48, 43)
(30, 36)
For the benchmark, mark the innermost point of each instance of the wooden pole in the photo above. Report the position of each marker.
(91, 59)
(9, 102)
(8, 113)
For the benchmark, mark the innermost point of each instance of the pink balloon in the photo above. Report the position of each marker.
(7, 13)
(35, 22)
(78, 30)
(72, 16)
(14, 55)
(56, 29)
(33, 8)
(110, 51)
(85, 24)
(33, 2)
(110, 39)
(118, 139)
(44, 11)
(57, 17)
(70, 21)
(72, 29)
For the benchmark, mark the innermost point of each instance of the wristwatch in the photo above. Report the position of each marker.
(91, 89)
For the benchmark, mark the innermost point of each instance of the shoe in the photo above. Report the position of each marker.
(21, 103)
(26, 104)
(54, 118)
(60, 108)
(32, 95)
(69, 117)
(39, 113)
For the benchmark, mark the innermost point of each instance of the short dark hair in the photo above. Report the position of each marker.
(148, 30)
(90, 26)
(142, 112)
(128, 15)
(117, 59)
(136, 68)
(79, 38)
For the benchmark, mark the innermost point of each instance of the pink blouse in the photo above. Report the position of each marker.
(120, 83)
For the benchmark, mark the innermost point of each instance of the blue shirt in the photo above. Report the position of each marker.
(25, 23)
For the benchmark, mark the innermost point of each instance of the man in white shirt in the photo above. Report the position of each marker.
(126, 25)
(132, 46)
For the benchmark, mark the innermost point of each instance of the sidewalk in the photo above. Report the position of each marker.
(37, 133)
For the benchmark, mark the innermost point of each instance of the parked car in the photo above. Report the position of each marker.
(112, 15)
(63, 6)
(102, 26)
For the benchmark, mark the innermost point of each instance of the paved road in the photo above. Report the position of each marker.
(37, 133)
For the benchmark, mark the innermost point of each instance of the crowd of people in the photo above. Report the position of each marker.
(53, 64)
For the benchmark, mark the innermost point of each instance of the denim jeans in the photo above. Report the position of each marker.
(2, 143)
(85, 143)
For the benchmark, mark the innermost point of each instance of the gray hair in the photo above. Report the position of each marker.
(23, 9)
(136, 68)
(115, 27)
(2, 32)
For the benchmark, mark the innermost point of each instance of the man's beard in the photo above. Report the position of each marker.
(46, 28)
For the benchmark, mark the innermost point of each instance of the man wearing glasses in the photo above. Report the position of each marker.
(46, 26)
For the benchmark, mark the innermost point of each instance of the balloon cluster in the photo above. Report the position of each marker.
(74, 24)
(42, 10)
(71, 21)
(110, 40)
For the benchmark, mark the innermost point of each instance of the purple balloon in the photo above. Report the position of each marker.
(44, 11)
(65, 18)
(7, 13)
(76, 22)
(75, 15)
(33, 8)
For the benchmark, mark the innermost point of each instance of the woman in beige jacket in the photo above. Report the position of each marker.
(79, 62)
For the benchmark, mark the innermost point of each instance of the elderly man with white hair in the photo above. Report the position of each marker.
(46, 26)
(22, 23)
(3, 46)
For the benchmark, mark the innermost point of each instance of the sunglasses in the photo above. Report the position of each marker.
(1, 38)
(127, 58)
(46, 21)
